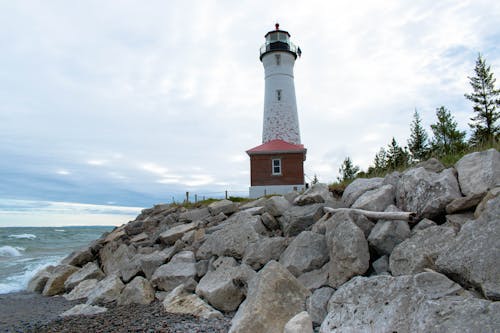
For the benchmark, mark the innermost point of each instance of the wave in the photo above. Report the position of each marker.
(9, 251)
(25, 236)
(60, 230)
(20, 281)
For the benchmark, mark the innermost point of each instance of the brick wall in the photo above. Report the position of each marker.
(292, 169)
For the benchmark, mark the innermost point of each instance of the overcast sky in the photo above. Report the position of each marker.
(130, 103)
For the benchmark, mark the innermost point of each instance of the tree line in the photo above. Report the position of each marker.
(446, 138)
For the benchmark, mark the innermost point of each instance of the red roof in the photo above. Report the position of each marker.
(277, 146)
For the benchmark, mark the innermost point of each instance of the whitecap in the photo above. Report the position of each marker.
(60, 230)
(26, 236)
(9, 251)
(20, 281)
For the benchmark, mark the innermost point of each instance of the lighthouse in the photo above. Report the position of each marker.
(277, 165)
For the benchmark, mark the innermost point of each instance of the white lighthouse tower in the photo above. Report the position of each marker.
(278, 56)
(277, 165)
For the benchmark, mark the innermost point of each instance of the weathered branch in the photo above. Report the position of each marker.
(406, 216)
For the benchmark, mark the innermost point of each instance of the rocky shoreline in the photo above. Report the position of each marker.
(413, 251)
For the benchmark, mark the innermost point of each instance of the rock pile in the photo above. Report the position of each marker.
(285, 264)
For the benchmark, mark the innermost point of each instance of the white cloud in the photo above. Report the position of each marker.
(63, 172)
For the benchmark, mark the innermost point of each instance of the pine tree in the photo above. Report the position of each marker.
(315, 180)
(396, 156)
(380, 162)
(447, 138)
(486, 100)
(347, 170)
(417, 144)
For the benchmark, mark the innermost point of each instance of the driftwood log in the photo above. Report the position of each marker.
(406, 216)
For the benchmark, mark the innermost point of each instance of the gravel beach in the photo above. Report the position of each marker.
(30, 312)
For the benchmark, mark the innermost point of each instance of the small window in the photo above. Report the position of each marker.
(278, 95)
(276, 166)
(278, 59)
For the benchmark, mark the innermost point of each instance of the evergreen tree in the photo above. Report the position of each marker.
(417, 144)
(396, 156)
(447, 138)
(347, 170)
(380, 162)
(486, 100)
(315, 180)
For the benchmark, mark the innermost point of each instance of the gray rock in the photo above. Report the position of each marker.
(473, 257)
(305, 253)
(420, 251)
(225, 288)
(201, 268)
(170, 236)
(318, 193)
(106, 290)
(464, 203)
(276, 205)
(349, 255)
(456, 221)
(230, 240)
(479, 172)
(300, 323)
(116, 259)
(194, 215)
(264, 250)
(180, 270)
(254, 203)
(38, 281)
(432, 165)
(89, 271)
(274, 296)
(269, 221)
(224, 206)
(493, 193)
(140, 238)
(300, 218)
(376, 200)
(427, 193)
(423, 224)
(83, 310)
(315, 279)
(55, 282)
(387, 234)
(358, 219)
(426, 302)
(290, 196)
(149, 263)
(79, 258)
(82, 290)
(138, 291)
(381, 265)
(392, 179)
(177, 301)
(223, 262)
(317, 303)
(359, 186)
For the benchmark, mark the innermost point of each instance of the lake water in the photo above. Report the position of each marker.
(25, 250)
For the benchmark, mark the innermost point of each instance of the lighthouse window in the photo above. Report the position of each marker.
(278, 94)
(276, 166)
(278, 59)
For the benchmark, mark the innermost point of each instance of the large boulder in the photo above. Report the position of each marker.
(170, 236)
(359, 186)
(225, 288)
(473, 257)
(427, 193)
(276, 205)
(318, 193)
(387, 234)
(377, 199)
(300, 218)
(89, 271)
(432, 165)
(348, 248)
(180, 302)
(117, 258)
(479, 172)
(317, 303)
(315, 279)
(464, 203)
(82, 290)
(493, 193)
(138, 291)
(264, 250)
(180, 270)
(79, 257)
(106, 290)
(274, 296)
(426, 302)
(194, 215)
(38, 281)
(300, 323)
(55, 283)
(420, 251)
(231, 238)
(150, 262)
(223, 206)
(305, 253)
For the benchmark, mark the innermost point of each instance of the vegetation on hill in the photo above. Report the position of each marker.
(447, 143)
